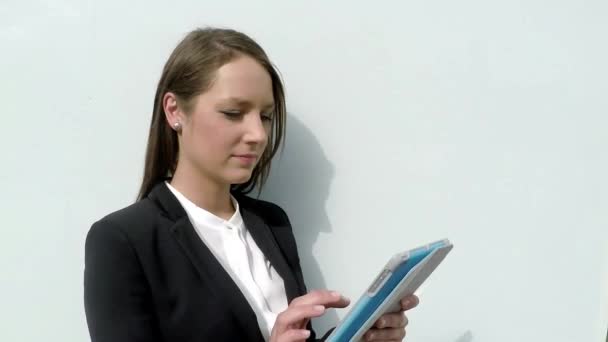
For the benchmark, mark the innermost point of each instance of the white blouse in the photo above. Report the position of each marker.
(241, 257)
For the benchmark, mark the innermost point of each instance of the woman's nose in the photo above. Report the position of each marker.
(255, 130)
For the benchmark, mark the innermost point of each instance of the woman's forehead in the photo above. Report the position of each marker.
(243, 81)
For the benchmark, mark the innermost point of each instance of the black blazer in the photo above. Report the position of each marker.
(149, 277)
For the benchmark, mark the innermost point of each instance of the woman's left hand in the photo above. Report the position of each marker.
(391, 326)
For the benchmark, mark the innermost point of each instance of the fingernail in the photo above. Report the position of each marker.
(335, 294)
(306, 334)
(319, 308)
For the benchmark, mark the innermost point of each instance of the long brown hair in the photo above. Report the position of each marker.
(188, 72)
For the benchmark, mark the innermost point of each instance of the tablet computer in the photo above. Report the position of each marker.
(401, 276)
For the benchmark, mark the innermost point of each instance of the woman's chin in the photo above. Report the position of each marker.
(240, 177)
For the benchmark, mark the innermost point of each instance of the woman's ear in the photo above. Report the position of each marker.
(173, 113)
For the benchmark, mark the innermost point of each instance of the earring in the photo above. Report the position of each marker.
(177, 126)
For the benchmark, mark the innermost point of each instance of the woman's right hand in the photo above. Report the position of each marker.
(290, 325)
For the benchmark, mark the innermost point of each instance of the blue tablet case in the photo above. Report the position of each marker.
(401, 276)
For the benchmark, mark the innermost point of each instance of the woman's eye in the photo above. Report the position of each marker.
(236, 114)
(233, 114)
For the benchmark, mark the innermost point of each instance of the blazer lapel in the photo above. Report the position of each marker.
(267, 243)
(207, 266)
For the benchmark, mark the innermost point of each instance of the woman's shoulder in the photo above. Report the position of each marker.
(132, 220)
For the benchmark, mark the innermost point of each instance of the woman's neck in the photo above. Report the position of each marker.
(202, 191)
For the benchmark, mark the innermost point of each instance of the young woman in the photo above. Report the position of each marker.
(195, 258)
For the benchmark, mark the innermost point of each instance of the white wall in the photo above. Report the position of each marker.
(481, 121)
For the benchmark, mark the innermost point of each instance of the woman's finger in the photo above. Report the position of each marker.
(295, 314)
(384, 334)
(392, 320)
(294, 335)
(329, 299)
(292, 322)
(409, 302)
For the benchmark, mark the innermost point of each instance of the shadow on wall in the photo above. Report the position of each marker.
(299, 182)
(466, 337)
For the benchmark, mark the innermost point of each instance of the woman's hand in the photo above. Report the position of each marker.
(391, 326)
(290, 325)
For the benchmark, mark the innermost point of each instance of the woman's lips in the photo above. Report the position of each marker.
(246, 159)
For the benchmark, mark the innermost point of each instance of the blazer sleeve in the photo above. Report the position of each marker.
(117, 298)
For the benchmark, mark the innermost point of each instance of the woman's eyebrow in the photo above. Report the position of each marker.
(270, 106)
(242, 102)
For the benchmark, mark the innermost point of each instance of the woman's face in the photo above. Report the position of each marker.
(227, 130)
